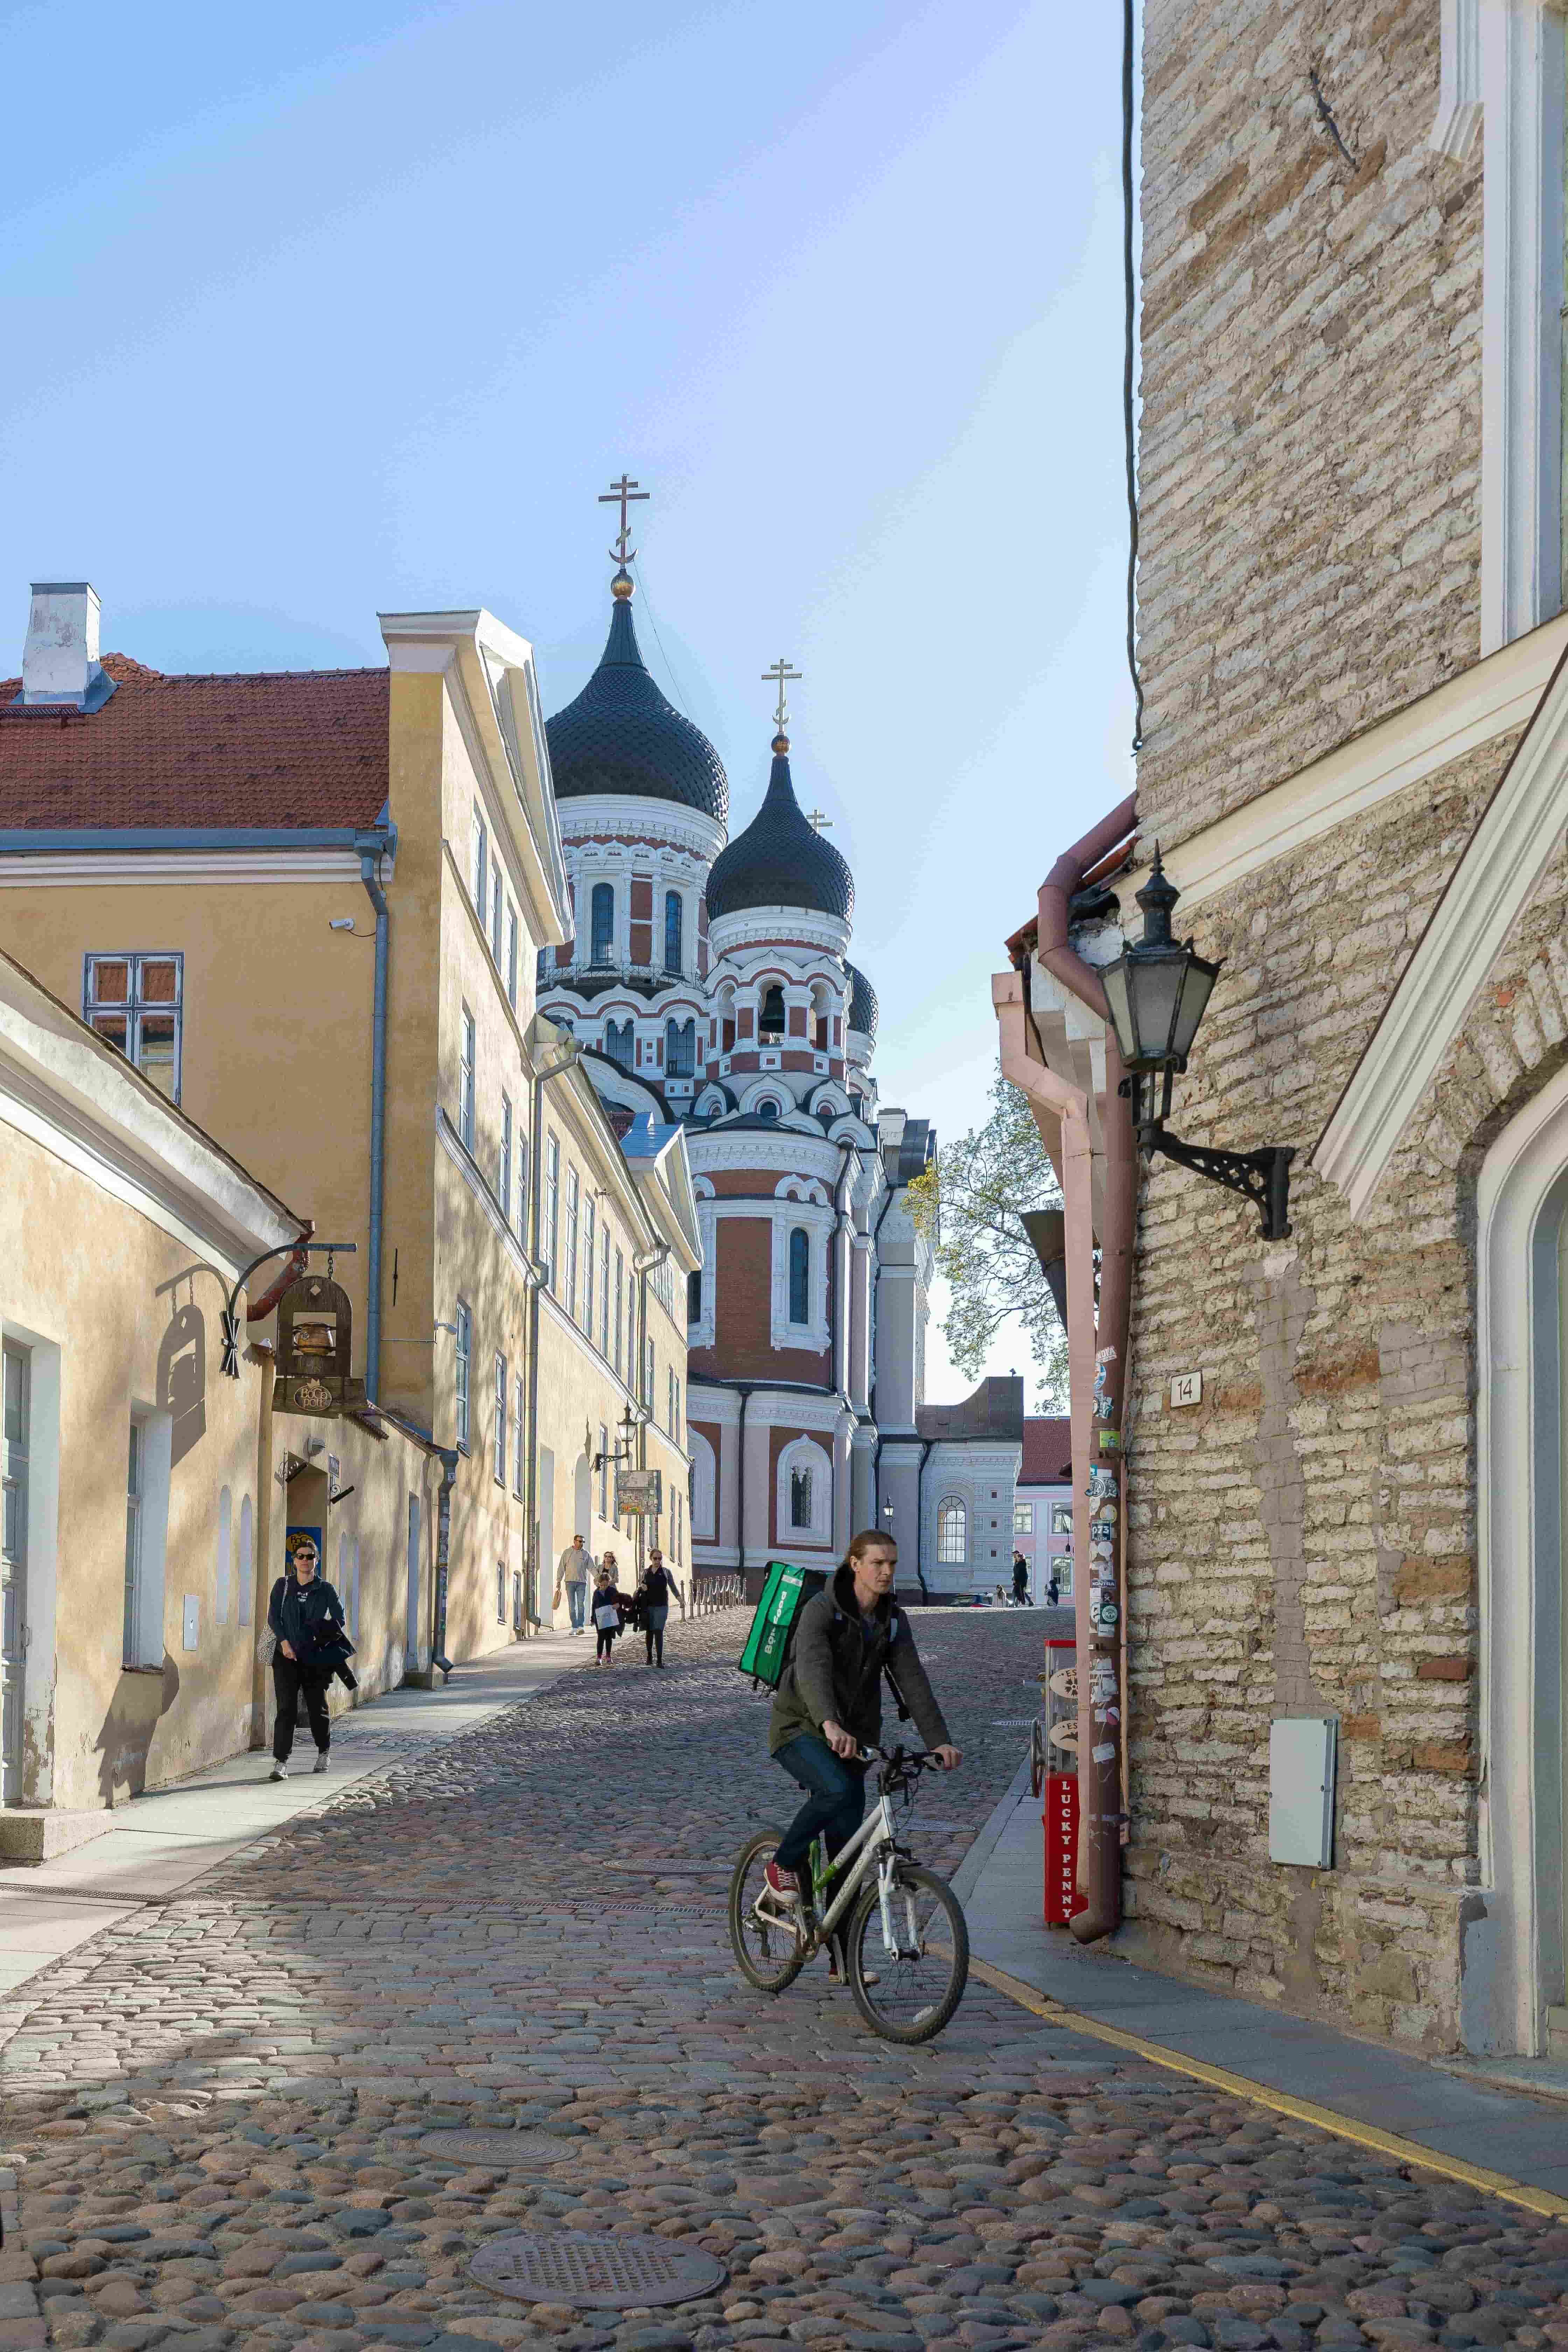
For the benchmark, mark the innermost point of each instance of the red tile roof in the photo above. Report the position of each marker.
(1047, 1453)
(267, 749)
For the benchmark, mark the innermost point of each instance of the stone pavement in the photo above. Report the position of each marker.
(223, 2101)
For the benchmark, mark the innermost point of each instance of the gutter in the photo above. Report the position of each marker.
(28, 840)
(1101, 1785)
(371, 847)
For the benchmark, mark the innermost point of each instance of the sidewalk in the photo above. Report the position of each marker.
(1370, 2089)
(164, 1840)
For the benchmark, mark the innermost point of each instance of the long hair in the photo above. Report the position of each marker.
(864, 1542)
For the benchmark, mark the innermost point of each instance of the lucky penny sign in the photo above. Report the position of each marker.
(593, 2272)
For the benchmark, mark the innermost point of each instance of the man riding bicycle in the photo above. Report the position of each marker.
(829, 1704)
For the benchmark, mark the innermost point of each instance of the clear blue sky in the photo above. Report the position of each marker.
(325, 311)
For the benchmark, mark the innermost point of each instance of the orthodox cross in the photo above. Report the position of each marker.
(780, 672)
(624, 494)
(818, 819)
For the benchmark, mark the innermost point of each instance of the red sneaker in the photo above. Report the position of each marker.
(783, 1882)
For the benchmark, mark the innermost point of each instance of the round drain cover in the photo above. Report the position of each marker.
(498, 2147)
(595, 2271)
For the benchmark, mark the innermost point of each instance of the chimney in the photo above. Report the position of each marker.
(59, 661)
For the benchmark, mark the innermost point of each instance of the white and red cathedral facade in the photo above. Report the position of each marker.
(709, 985)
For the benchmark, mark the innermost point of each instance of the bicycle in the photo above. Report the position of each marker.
(906, 1980)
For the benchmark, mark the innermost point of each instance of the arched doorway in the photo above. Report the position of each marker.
(1513, 1995)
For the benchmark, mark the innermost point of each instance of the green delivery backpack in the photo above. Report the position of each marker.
(785, 1591)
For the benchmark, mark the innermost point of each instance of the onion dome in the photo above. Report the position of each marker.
(862, 1002)
(780, 859)
(622, 736)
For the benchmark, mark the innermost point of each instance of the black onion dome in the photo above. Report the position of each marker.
(862, 1002)
(622, 736)
(779, 860)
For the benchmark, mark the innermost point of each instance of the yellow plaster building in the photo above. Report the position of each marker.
(308, 906)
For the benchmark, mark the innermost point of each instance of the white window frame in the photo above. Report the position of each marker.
(136, 1008)
(944, 1558)
(573, 1218)
(468, 1048)
(808, 1455)
(605, 1293)
(498, 901)
(552, 1234)
(590, 1241)
(504, 1172)
(462, 1365)
(498, 1420)
(704, 1489)
(518, 1394)
(603, 1472)
(479, 865)
(511, 955)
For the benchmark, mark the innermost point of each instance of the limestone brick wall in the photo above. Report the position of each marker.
(1311, 428)
(1303, 1541)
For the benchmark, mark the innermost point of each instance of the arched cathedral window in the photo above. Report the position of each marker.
(800, 1498)
(799, 1277)
(772, 1022)
(618, 1041)
(951, 1535)
(680, 1049)
(672, 922)
(694, 1297)
(603, 921)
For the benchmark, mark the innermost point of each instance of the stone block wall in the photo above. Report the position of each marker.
(1304, 1541)
(1310, 432)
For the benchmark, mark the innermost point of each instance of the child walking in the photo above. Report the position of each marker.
(608, 1603)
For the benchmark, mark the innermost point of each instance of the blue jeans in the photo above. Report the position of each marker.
(835, 1804)
(577, 1603)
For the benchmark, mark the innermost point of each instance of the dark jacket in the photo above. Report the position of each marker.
(834, 1670)
(598, 1597)
(658, 1588)
(312, 1621)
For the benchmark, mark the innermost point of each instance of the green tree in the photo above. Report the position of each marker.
(968, 1205)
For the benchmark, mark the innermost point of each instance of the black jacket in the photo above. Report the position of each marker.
(656, 1589)
(836, 1670)
(312, 1621)
(598, 1596)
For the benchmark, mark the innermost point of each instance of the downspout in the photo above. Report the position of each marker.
(1061, 1111)
(371, 847)
(536, 1277)
(876, 1291)
(1100, 1757)
(926, 1445)
(740, 1490)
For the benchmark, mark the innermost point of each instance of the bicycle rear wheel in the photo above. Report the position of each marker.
(908, 1993)
(769, 1947)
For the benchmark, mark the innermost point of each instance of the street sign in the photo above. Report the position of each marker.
(639, 1494)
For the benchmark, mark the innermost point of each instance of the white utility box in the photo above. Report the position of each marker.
(1302, 1753)
(191, 1622)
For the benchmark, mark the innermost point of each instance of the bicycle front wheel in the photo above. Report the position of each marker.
(769, 1945)
(907, 1992)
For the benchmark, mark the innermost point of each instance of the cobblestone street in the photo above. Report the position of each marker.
(225, 2104)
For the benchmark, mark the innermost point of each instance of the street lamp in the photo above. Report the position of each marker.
(1158, 989)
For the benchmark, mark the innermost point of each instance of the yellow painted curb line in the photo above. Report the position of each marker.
(1302, 2111)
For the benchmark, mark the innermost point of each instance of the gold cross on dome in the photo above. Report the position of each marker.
(624, 494)
(818, 820)
(781, 672)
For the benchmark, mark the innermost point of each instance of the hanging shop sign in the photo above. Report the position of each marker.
(315, 1344)
(639, 1494)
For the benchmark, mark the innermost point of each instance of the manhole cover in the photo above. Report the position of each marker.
(597, 2273)
(497, 2147)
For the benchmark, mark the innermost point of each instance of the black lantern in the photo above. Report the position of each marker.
(315, 1343)
(1158, 991)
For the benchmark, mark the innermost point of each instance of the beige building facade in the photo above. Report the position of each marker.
(1344, 1447)
(309, 908)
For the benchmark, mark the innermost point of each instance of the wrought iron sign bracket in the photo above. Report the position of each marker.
(1261, 1177)
(229, 1320)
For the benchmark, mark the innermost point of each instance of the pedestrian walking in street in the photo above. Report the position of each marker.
(1053, 1590)
(608, 1603)
(574, 1570)
(1020, 1579)
(653, 1592)
(305, 1618)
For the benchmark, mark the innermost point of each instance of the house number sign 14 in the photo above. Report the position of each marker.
(1187, 1387)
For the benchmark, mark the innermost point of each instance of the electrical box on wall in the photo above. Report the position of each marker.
(1302, 1756)
(191, 1622)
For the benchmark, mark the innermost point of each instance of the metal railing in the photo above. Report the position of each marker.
(723, 1589)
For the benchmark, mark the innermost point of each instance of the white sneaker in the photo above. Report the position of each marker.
(320, 1763)
(278, 1772)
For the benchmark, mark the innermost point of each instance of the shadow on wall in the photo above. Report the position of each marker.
(141, 1701)
(183, 1379)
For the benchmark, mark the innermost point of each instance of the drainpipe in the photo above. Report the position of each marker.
(371, 847)
(876, 1292)
(537, 1274)
(1061, 1111)
(926, 1445)
(447, 1457)
(740, 1490)
(1100, 1787)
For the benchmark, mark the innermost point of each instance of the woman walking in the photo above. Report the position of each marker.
(608, 1603)
(307, 1622)
(653, 1592)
